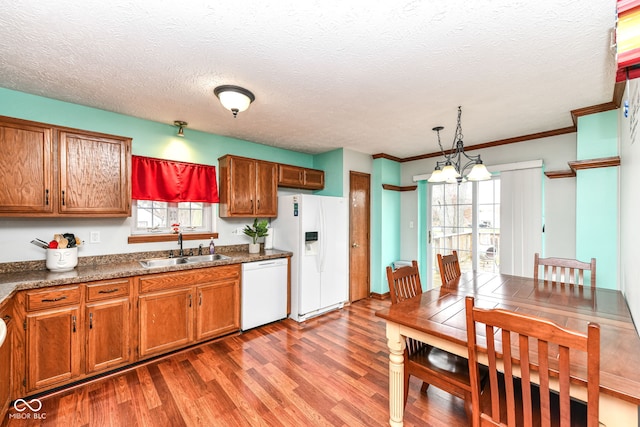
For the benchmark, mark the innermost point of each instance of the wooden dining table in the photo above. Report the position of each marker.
(437, 317)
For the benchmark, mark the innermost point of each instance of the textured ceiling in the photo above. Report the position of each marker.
(371, 76)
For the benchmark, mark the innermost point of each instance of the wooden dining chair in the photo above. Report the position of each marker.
(564, 270)
(543, 347)
(447, 371)
(449, 267)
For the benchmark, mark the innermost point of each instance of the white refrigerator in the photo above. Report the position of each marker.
(315, 229)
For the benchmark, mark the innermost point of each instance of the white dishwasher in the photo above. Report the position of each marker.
(264, 292)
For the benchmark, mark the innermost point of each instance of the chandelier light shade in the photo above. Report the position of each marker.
(456, 161)
(234, 98)
(181, 125)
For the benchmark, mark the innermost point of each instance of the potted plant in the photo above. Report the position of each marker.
(259, 229)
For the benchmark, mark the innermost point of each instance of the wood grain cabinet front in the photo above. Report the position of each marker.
(248, 187)
(181, 308)
(53, 339)
(6, 360)
(298, 177)
(51, 171)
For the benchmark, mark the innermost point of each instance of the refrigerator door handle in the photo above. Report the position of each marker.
(323, 238)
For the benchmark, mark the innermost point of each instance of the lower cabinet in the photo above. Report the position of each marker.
(218, 310)
(6, 366)
(107, 334)
(53, 337)
(165, 321)
(107, 325)
(178, 309)
(68, 333)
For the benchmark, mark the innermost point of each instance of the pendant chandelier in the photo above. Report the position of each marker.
(456, 161)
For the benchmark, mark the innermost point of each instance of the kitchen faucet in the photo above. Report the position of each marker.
(180, 243)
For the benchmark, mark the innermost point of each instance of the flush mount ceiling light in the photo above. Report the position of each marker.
(180, 125)
(452, 169)
(234, 98)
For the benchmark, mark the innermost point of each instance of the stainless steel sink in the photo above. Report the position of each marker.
(167, 262)
(205, 258)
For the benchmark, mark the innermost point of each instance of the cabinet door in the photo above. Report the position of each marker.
(25, 168)
(290, 176)
(242, 183)
(165, 321)
(107, 329)
(266, 189)
(53, 347)
(6, 366)
(313, 179)
(218, 310)
(94, 174)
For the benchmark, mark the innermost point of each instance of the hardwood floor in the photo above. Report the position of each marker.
(329, 371)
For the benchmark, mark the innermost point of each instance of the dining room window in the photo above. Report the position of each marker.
(465, 217)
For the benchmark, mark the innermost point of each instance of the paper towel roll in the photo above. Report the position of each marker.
(268, 240)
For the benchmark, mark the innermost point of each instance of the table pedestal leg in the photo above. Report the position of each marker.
(396, 344)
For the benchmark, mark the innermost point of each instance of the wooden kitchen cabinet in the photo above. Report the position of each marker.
(95, 174)
(299, 177)
(248, 187)
(218, 310)
(180, 308)
(107, 325)
(26, 169)
(52, 171)
(53, 336)
(6, 364)
(166, 321)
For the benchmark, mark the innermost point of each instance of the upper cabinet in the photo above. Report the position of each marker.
(248, 187)
(52, 171)
(26, 168)
(298, 177)
(94, 174)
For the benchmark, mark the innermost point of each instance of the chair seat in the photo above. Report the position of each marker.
(447, 371)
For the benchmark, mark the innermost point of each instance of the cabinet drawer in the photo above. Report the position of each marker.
(179, 279)
(56, 297)
(105, 290)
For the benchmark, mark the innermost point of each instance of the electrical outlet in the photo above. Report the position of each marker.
(95, 237)
(238, 231)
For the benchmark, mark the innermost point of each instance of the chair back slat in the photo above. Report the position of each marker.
(512, 346)
(449, 267)
(564, 270)
(404, 282)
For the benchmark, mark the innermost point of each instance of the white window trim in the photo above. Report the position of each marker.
(209, 220)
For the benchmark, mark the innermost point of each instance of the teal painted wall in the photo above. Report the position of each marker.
(332, 163)
(597, 135)
(150, 138)
(597, 197)
(385, 222)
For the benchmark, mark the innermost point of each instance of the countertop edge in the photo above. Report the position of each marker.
(10, 283)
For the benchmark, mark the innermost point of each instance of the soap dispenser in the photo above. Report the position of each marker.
(212, 247)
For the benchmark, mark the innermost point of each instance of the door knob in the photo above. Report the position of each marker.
(355, 245)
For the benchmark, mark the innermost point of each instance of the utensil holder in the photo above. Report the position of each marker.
(60, 260)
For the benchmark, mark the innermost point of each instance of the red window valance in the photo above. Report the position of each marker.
(171, 181)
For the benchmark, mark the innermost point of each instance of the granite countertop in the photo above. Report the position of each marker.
(33, 274)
